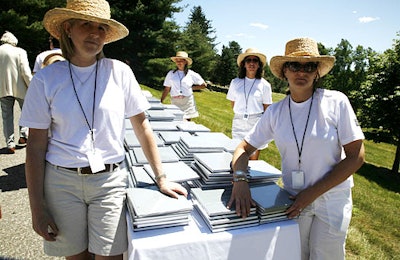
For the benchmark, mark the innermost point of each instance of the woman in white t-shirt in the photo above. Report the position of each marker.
(180, 83)
(76, 110)
(321, 146)
(250, 94)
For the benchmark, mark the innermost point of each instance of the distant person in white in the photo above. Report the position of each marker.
(54, 46)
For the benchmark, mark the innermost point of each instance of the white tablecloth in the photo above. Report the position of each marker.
(279, 240)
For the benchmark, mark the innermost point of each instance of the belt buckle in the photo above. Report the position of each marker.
(79, 170)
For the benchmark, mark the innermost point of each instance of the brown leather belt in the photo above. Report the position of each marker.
(86, 170)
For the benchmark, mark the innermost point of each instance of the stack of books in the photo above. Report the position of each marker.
(211, 205)
(151, 209)
(272, 202)
(175, 171)
(214, 170)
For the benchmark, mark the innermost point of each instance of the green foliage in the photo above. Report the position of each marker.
(227, 68)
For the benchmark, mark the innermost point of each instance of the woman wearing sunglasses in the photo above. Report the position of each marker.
(321, 146)
(250, 94)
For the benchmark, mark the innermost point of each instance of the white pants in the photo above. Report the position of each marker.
(324, 224)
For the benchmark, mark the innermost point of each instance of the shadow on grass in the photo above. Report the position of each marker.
(380, 175)
(14, 180)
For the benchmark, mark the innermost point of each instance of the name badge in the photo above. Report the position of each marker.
(297, 179)
(96, 161)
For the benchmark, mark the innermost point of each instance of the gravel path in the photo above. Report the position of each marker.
(18, 240)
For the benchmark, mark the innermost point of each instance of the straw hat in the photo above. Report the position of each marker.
(182, 55)
(252, 52)
(9, 38)
(90, 10)
(302, 50)
(51, 58)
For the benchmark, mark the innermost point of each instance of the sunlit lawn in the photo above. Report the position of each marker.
(375, 228)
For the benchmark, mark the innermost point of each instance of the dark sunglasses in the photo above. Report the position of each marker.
(307, 67)
(248, 60)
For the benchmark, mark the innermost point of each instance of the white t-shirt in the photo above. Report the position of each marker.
(181, 84)
(41, 56)
(253, 92)
(332, 124)
(51, 103)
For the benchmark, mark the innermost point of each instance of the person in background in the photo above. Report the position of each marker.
(51, 58)
(321, 146)
(15, 76)
(180, 83)
(54, 47)
(76, 110)
(250, 94)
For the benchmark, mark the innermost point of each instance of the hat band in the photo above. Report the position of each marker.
(302, 53)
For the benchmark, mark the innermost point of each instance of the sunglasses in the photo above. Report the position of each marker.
(307, 67)
(248, 60)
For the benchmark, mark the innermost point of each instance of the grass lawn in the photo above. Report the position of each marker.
(375, 227)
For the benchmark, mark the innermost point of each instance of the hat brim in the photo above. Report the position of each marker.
(325, 63)
(242, 56)
(54, 18)
(188, 60)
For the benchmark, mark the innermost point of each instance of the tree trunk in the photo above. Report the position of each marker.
(395, 167)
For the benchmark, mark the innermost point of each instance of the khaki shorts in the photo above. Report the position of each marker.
(88, 210)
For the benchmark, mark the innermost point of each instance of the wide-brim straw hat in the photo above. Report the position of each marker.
(252, 52)
(90, 10)
(302, 50)
(182, 55)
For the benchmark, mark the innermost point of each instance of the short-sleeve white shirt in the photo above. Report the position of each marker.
(180, 83)
(331, 125)
(252, 93)
(41, 56)
(51, 104)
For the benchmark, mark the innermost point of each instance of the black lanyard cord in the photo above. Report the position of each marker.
(80, 104)
(246, 97)
(300, 149)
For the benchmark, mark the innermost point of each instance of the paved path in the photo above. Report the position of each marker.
(17, 238)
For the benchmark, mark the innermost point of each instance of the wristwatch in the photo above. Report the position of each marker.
(240, 176)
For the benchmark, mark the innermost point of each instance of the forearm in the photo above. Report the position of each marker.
(34, 170)
(241, 156)
(198, 87)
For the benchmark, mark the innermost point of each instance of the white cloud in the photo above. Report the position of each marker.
(367, 19)
(260, 25)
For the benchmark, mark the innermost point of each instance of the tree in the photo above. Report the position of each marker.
(379, 97)
(227, 68)
(198, 43)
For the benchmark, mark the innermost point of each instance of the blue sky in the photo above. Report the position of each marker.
(268, 25)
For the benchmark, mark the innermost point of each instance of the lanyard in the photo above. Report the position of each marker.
(300, 149)
(80, 104)
(180, 80)
(246, 97)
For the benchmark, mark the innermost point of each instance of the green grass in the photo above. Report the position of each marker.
(374, 231)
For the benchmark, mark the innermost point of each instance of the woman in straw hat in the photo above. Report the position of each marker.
(320, 142)
(76, 110)
(180, 83)
(250, 94)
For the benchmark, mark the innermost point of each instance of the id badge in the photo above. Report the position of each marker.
(297, 179)
(245, 116)
(96, 161)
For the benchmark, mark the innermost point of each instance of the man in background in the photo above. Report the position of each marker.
(15, 76)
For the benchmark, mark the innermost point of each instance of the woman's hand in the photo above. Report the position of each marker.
(241, 195)
(44, 225)
(171, 189)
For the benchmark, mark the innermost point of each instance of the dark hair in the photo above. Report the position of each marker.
(185, 70)
(242, 70)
